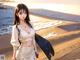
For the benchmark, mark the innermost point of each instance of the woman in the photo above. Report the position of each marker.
(23, 35)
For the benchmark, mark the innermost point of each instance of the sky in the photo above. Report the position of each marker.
(66, 6)
(72, 2)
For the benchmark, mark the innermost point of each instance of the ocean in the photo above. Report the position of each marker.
(6, 20)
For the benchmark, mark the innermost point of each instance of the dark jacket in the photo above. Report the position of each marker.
(45, 46)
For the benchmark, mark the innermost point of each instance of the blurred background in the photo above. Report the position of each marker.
(58, 21)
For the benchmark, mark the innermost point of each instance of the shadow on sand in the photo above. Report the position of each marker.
(70, 27)
(65, 38)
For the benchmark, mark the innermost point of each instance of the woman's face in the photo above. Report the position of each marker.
(22, 14)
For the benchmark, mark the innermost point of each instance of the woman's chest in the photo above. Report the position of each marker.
(26, 35)
(30, 33)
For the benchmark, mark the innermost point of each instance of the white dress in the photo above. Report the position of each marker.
(23, 53)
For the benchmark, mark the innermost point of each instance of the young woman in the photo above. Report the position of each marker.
(23, 35)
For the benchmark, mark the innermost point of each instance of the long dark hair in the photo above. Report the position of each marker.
(25, 8)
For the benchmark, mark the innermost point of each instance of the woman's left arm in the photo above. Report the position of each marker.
(35, 47)
(35, 44)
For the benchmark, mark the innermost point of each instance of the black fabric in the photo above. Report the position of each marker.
(45, 45)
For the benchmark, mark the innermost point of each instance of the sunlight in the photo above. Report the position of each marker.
(60, 7)
(72, 9)
(53, 6)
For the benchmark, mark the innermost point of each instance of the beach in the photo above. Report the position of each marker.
(62, 32)
(63, 41)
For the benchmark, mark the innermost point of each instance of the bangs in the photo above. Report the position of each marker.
(22, 11)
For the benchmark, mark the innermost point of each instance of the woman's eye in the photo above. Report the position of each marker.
(20, 13)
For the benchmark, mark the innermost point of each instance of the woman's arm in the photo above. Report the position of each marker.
(35, 44)
(14, 41)
(14, 53)
(35, 47)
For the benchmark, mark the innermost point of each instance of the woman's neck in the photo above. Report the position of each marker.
(22, 22)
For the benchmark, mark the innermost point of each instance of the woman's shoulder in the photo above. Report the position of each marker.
(14, 27)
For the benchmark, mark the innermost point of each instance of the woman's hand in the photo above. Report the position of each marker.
(37, 53)
(13, 58)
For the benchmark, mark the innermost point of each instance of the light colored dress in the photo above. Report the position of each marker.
(22, 52)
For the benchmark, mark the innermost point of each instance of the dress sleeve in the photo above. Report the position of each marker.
(14, 38)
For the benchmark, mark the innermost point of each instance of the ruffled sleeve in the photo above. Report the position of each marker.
(14, 37)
